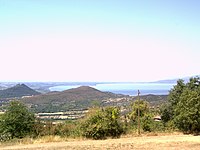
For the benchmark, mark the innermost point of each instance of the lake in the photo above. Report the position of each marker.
(124, 88)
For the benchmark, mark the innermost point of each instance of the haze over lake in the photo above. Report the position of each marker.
(124, 88)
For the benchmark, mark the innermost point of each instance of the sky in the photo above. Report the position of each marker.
(99, 40)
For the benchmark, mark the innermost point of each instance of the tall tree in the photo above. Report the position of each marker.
(187, 111)
(183, 106)
(175, 92)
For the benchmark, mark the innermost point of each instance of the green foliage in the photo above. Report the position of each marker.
(167, 109)
(147, 122)
(67, 129)
(187, 111)
(63, 129)
(103, 123)
(149, 125)
(146, 117)
(143, 109)
(183, 107)
(38, 128)
(17, 120)
(170, 126)
(166, 112)
(176, 92)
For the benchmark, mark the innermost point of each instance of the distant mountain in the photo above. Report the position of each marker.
(77, 98)
(18, 90)
(186, 79)
(84, 97)
(80, 94)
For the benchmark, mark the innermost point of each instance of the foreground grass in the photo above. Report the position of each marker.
(145, 141)
(39, 140)
(164, 142)
(53, 138)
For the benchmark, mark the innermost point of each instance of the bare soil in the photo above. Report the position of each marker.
(167, 142)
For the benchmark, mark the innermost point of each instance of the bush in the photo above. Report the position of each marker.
(17, 122)
(67, 129)
(102, 124)
(170, 126)
(147, 123)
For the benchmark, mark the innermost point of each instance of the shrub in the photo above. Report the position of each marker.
(17, 121)
(102, 124)
(147, 123)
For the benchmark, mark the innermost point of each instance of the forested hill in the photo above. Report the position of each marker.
(18, 90)
(83, 93)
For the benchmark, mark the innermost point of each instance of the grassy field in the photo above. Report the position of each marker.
(152, 142)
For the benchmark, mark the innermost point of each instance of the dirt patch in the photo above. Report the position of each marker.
(178, 142)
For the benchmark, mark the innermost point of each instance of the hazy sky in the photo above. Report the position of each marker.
(99, 40)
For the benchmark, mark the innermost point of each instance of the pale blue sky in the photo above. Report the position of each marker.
(107, 40)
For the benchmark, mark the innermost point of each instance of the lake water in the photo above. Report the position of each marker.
(125, 88)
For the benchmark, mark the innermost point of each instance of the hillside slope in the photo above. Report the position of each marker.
(80, 94)
(84, 97)
(154, 100)
(18, 90)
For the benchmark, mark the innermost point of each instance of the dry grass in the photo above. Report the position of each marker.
(145, 141)
(39, 140)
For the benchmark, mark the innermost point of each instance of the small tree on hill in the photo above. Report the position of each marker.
(17, 120)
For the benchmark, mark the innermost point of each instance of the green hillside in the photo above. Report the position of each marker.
(77, 98)
(83, 93)
(82, 98)
(18, 90)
